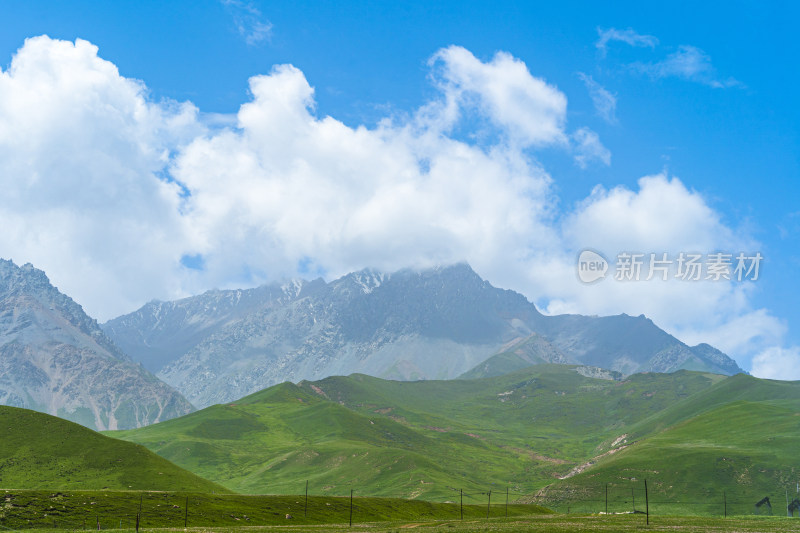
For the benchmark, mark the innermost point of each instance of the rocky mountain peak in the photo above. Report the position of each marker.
(55, 358)
(25, 277)
(435, 323)
(365, 280)
(30, 288)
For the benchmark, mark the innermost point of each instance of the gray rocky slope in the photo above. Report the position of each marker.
(433, 324)
(55, 359)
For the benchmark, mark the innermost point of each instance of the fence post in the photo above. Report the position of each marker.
(724, 505)
(489, 505)
(305, 511)
(462, 504)
(186, 514)
(646, 502)
(351, 507)
(606, 498)
(98, 522)
(506, 502)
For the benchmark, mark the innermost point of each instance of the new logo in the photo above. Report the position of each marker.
(591, 266)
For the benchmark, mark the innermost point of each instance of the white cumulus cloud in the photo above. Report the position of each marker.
(82, 151)
(296, 186)
(778, 363)
(121, 199)
(530, 111)
(661, 217)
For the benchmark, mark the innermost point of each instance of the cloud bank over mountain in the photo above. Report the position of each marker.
(121, 198)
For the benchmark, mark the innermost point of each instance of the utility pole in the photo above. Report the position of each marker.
(646, 502)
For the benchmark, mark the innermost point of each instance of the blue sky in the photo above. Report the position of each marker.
(699, 98)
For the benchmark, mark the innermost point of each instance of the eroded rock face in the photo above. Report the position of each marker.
(54, 358)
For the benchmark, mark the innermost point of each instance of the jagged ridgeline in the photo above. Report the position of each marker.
(56, 359)
(431, 324)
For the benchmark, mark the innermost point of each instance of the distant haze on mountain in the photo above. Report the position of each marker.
(56, 359)
(432, 324)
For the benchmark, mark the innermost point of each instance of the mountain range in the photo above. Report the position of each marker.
(433, 324)
(441, 323)
(54, 358)
(483, 390)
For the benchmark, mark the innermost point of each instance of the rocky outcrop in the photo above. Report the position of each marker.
(54, 358)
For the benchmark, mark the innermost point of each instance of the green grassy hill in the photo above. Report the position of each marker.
(42, 451)
(740, 387)
(705, 443)
(722, 450)
(532, 350)
(423, 439)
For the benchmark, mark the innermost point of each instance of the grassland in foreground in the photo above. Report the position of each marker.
(540, 523)
(79, 510)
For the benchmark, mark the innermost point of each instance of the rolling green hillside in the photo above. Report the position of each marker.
(723, 449)
(532, 350)
(421, 439)
(740, 387)
(42, 451)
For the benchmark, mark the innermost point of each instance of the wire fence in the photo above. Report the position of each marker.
(660, 498)
(104, 510)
